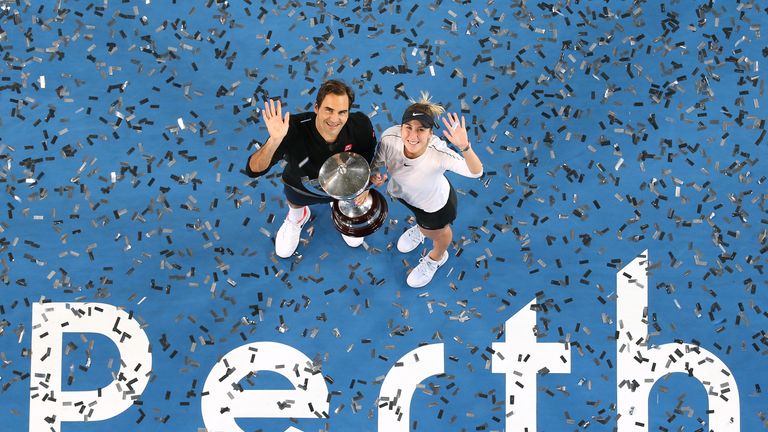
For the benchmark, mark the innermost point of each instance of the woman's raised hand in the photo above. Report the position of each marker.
(456, 130)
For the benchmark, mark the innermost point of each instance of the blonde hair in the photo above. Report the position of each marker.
(425, 104)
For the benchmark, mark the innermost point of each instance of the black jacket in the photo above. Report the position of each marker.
(305, 150)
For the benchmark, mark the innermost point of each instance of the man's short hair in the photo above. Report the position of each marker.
(334, 87)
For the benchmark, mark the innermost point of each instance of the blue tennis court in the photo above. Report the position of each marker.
(606, 271)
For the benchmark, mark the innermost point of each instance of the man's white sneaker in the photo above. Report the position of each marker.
(352, 241)
(349, 240)
(422, 274)
(410, 239)
(287, 238)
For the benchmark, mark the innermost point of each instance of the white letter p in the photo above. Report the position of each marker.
(48, 404)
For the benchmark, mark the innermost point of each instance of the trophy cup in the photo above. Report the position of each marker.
(344, 176)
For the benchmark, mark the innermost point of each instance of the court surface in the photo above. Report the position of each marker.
(608, 130)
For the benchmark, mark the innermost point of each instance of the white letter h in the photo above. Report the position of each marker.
(639, 366)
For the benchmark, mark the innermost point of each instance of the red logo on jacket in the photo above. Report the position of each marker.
(348, 147)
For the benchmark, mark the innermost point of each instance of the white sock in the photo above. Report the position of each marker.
(296, 215)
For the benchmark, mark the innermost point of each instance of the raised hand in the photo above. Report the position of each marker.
(456, 130)
(277, 124)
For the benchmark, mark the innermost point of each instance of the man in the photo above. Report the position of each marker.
(305, 141)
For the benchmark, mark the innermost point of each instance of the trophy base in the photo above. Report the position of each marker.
(368, 221)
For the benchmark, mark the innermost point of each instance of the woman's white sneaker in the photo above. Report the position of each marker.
(422, 274)
(410, 240)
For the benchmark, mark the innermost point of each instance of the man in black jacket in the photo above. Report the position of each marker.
(306, 141)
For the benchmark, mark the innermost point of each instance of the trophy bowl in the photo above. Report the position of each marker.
(344, 176)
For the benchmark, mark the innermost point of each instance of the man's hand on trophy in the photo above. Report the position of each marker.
(360, 199)
(276, 123)
(378, 179)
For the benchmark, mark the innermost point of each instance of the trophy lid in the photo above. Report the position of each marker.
(345, 175)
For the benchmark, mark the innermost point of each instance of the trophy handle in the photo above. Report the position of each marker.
(313, 185)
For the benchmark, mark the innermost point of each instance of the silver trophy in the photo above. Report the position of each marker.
(344, 176)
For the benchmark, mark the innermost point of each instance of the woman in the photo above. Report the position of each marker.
(416, 161)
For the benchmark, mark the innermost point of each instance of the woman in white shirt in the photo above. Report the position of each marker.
(416, 161)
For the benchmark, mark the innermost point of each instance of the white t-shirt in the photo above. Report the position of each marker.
(420, 182)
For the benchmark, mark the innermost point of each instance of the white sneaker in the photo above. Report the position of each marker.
(287, 238)
(410, 239)
(422, 274)
(352, 241)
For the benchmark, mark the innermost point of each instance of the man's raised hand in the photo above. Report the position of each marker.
(277, 124)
